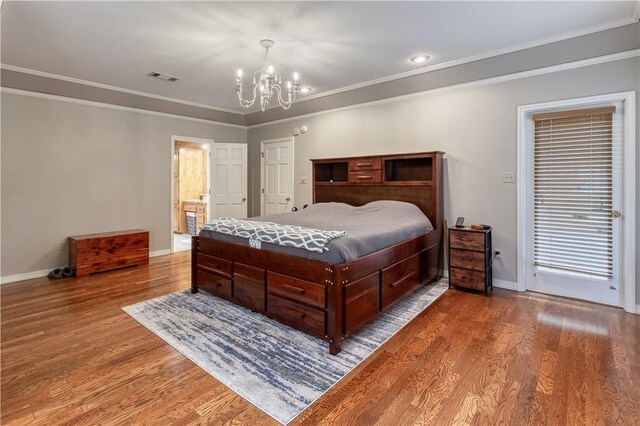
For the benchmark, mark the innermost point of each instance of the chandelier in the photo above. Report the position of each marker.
(268, 83)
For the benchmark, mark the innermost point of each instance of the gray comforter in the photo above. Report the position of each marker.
(369, 228)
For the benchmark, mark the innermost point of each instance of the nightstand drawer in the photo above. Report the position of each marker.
(467, 259)
(465, 278)
(466, 240)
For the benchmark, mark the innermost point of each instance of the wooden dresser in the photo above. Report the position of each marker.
(470, 259)
(108, 250)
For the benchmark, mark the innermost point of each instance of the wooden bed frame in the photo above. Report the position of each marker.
(331, 301)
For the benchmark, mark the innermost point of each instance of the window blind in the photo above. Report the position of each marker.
(573, 191)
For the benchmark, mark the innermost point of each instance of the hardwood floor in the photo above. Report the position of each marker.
(70, 354)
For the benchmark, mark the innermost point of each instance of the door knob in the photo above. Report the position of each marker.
(244, 199)
(615, 213)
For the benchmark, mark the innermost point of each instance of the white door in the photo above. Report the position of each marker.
(229, 181)
(575, 200)
(277, 176)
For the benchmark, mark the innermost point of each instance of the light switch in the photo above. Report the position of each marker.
(296, 131)
(508, 177)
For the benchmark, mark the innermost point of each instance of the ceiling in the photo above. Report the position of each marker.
(332, 45)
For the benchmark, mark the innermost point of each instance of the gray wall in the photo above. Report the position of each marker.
(475, 126)
(72, 169)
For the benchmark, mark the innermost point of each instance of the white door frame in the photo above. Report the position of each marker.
(289, 139)
(200, 141)
(246, 182)
(628, 231)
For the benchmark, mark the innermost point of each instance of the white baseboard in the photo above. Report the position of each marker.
(44, 272)
(160, 253)
(27, 275)
(507, 285)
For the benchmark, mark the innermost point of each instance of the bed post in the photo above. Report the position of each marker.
(335, 306)
(194, 264)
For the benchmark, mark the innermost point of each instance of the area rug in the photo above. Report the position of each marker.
(276, 368)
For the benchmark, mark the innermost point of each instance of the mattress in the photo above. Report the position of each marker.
(369, 228)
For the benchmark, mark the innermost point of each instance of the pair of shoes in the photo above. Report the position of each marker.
(58, 273)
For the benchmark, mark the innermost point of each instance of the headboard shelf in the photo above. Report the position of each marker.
(414, 178)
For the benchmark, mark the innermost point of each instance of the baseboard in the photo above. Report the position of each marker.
(160, 253)
(44, 272)
(26, 276)
(638, 309)
(507, 285)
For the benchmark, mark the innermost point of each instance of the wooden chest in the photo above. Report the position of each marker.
(470, 259)
(109, 250)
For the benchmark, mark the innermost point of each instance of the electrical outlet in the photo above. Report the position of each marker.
(508, 177)
(63, 244)
(303, 179)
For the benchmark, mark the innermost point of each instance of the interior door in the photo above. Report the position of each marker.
(277, 176)
(229, 181)
(574, 235)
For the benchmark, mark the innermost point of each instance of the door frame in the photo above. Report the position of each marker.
(628, 225)
(290, 140)
(246, 175)
(201, 141)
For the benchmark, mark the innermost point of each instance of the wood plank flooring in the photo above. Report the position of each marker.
(71, 355)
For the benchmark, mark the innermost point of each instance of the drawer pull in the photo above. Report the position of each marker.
(296, 313)
(402, 280)
(365, 177)
(293, 289)
(364, 164)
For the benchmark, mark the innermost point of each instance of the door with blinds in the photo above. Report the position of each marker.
(576, 197)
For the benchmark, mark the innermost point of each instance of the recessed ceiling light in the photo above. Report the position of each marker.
(418, 59)
(305, 90)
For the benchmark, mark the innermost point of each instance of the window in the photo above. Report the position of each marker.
(573, 187)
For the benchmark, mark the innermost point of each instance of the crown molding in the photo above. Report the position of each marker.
(40, 95)
(493, 80)
(635, 17)
(114, 88)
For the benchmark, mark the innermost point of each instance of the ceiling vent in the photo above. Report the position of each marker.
(164, 77)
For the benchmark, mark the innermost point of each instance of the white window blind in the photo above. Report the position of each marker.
(573, 191)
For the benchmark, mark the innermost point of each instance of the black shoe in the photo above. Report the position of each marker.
(67, 272)
(56, 274)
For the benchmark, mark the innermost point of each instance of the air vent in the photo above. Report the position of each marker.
(164, 77)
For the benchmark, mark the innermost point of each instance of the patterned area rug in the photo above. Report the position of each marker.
(278, 369)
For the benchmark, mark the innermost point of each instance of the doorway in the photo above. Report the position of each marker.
(277, 176)
(190, 189)
(576, 199)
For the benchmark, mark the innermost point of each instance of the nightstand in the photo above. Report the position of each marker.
(470, 259)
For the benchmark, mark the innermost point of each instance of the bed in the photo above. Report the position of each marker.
(393, 243)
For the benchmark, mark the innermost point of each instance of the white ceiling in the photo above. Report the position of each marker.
(331, 44)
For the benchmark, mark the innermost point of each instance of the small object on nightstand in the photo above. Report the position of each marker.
(470, 258)
(480, 227)
(460, 222)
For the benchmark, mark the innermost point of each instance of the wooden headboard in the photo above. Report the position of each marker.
(413, 178)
